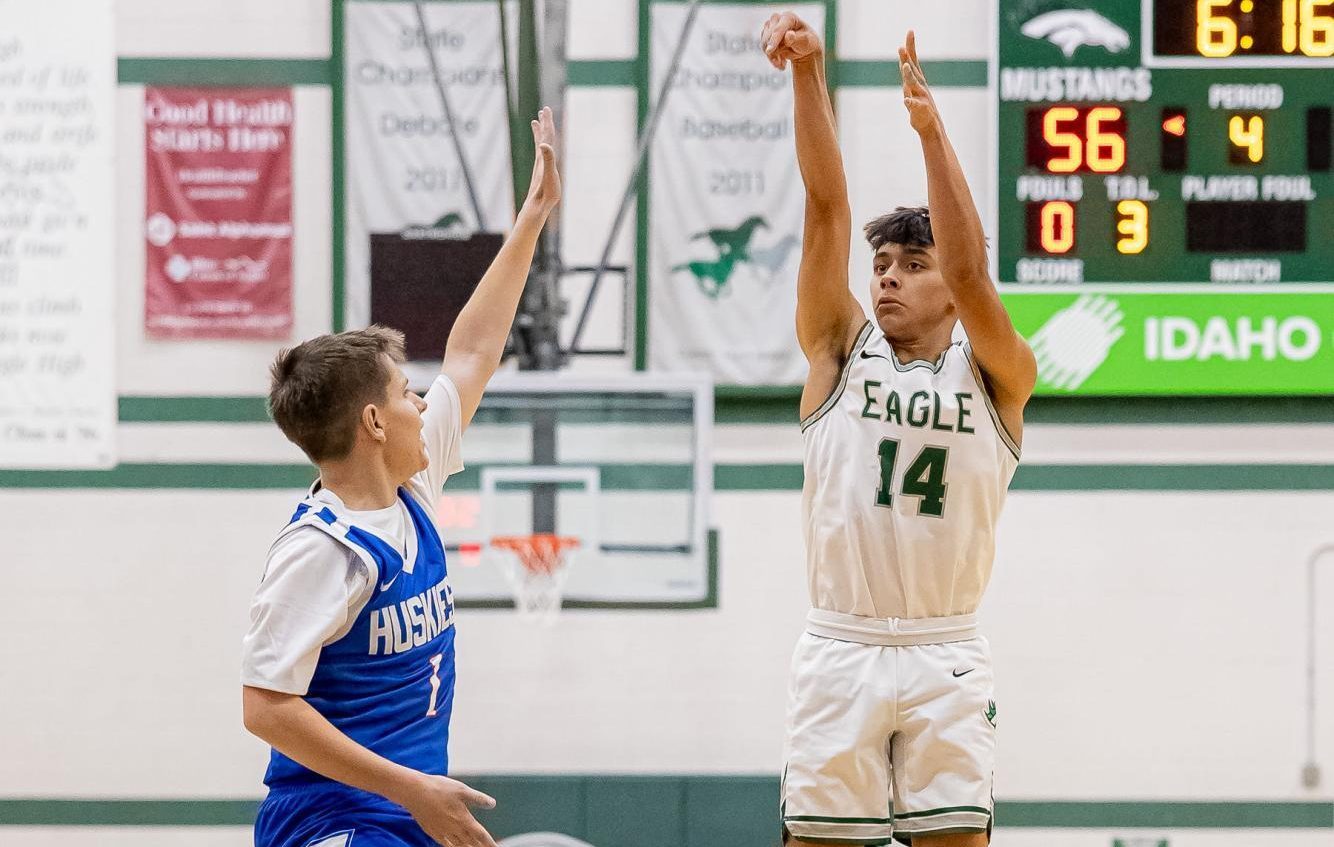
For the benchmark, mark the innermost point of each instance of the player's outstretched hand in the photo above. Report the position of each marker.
(916, 95)
(787, 38)
(544, 188)
(442, 806)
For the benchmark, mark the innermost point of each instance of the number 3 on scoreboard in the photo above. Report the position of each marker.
(1132, 225)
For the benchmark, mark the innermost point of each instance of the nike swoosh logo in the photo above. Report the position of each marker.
(384, 586)
(866, 355)
(970, 670)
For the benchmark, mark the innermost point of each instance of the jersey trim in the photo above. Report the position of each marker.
(920, 363)
(832, 400)
(991, 406)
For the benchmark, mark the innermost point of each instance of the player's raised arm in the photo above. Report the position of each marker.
(478, 340)
(1004, 356)
(828, 316)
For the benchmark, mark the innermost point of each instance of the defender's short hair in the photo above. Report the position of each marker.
(908, 225)
(319, 387)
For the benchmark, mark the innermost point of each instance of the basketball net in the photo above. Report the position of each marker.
(539, 579)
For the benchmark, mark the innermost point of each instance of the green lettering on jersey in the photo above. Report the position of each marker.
(892, 408)
(914, 419)
(925, 477)
(935, 414)
(964, 411)
(889, 454)
(870, 401)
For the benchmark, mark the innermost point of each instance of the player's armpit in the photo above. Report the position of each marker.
(1002, 354)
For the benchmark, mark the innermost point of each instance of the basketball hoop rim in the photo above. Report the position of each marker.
(539, 552)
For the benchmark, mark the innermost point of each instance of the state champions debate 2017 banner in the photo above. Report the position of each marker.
(218, 192)
(405, 181)
(726, 200)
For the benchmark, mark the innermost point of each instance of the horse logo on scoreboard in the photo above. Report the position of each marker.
(1070, 29)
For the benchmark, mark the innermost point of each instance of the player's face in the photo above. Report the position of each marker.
(908, 294)
(405, 452)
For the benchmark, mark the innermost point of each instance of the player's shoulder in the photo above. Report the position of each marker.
(304, 546)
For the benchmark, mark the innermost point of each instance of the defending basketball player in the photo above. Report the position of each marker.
(348, 666)
(911, 439)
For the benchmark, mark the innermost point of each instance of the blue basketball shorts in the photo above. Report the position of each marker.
(335, 816)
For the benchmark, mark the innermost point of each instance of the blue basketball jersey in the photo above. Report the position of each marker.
(388, 684)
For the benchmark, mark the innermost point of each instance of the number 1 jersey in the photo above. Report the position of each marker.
(906, 467)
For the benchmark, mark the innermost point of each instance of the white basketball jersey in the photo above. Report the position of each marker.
(906, 472)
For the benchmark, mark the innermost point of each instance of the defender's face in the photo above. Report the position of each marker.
(405, 451)
(908, 294)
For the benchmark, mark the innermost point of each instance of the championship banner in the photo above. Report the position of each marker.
(411, 217)
(726, 201)
(218, 212)
(57, 260)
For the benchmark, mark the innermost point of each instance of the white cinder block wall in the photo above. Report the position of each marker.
(1148, 645)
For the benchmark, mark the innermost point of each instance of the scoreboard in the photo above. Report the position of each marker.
(1165, 199)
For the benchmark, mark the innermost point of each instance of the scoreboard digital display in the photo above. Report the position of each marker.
(1165, 200)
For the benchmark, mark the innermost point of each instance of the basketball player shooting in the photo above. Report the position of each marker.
(911, 440)
(348, 666)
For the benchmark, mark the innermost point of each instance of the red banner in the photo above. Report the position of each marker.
(219, 212)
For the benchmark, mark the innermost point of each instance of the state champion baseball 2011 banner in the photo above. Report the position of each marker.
(407, 181)
(57, 248)
(726, 200)
(218, 212)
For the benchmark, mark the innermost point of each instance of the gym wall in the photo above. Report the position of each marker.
(1148, 613)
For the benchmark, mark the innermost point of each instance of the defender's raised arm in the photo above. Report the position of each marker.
(1004, 356)
(478, 340)
(828, 316)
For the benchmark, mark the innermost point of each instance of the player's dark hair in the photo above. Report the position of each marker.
(319, 387)
(907, 225)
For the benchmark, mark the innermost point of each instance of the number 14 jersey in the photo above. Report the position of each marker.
(906, 468)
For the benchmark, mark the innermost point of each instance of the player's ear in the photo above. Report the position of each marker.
(372, 420)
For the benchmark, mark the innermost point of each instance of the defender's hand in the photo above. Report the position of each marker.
(787, 38)
(917, 97)
(544, 190)
(441, 806)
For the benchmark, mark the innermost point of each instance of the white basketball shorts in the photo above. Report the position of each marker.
(888, 739)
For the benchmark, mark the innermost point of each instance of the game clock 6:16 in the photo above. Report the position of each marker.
(1221, 29)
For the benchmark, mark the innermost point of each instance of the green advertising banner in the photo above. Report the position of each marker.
(1146, 343)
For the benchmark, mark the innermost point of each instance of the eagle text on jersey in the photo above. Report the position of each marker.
(922, 410)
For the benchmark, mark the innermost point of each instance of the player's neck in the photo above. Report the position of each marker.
(926, 347)
(362, 485)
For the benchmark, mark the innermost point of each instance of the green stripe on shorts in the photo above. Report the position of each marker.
(833, 819)
(943, 811)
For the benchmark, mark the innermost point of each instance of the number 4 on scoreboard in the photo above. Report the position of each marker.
(1247, 134)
